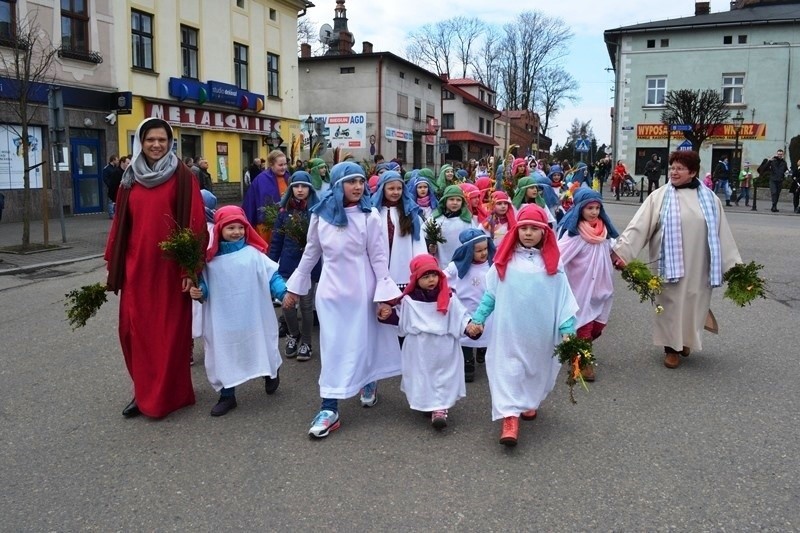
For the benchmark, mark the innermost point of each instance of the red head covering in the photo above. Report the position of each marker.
(502, 197)
(529, 215)
(228, 215)
(372, 183)
(419, 266)
(519, 164)
(484, 183)
(473, 193)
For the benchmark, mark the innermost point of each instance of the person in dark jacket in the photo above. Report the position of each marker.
(203, 175)
(794, 188)
(653, 172)
(722, 179)
(286, 250)
(777, 170)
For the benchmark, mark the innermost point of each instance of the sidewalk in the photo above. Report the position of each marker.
(86, 239)
(763, 207)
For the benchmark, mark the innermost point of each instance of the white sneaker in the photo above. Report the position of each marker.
(325, 422)
(369, 394)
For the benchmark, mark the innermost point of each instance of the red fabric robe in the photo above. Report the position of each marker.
(155, 317)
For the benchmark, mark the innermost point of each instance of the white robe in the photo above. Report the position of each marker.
(355, 348)
(590, 274)
(469, 292)
(433, 365)
(426, 212)
(530, 306)
(197, 307)
(404, 248)
(686, 303)
(451, 228)
(240, 330)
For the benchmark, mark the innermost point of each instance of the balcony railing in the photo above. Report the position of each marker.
(80, 55)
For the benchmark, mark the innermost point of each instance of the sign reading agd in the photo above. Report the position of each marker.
(343, 130)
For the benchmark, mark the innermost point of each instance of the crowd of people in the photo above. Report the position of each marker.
(391, 298)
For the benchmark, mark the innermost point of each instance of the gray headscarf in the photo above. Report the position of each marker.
(140, 172)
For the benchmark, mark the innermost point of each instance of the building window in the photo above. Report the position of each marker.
(240, 65)
(429, 154)
(430, 110)
(240, 4)
(273, 14)
(448, 121)
(402, 151)
(190, 146)
(480, 124)
(727, 39)
(189, 52)
(664, 43)
(483, 95)
(743, 39)
(402, 105)
(430, 86)
(416, 81)
(8, 20)
(141, 39)
(447, 95)
(651, 43)
(488, 127)
(733, 88)
(347, 70)
(402, 75)
(273, 79)
(417, 113)
(656, 91)
(74, 25)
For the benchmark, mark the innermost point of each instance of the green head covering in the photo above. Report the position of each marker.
(441, 181)
(313, 168)
(452, 191)
(519, 194)
(427, 174)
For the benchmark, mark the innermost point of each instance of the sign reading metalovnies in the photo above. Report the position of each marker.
(210, 120)
(720, 131)
(343, 130)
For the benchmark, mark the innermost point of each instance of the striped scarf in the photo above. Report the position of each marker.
(671, 265)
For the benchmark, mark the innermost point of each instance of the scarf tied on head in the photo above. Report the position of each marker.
(419, 266)
(582, 197)
(330, 206)
(410, 207)
(139, 171)
(464, 254)
(230, 214)
(529, 215)
(304, 178)
(453, 191)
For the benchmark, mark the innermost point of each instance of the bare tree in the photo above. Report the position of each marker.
(27, 64)
(431, 46)
(486, 63)
(531, 43)
(701, 109)
(466, 34)
(555, 86)
(308, 33)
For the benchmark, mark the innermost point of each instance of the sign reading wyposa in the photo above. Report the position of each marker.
(11, 165)
(343, 130)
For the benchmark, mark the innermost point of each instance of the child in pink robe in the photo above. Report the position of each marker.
(585, 240)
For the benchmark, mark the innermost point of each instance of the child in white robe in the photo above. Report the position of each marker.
(432, 323)
(501, 217)
(210, 203)
(586, 235)
(355, 350)
(466, 276)
(453, 215)
(240, 331)
(534, 310)
(402, 223)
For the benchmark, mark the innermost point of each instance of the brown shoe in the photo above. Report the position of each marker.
(686, 351)
(510, 431)
(530, 414)
(671, 360)
(588, 373)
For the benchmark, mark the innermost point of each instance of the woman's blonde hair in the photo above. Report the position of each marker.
(273, 156)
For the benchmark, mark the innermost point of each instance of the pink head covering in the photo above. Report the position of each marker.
(228, 215)
(529, 215)
(475, 207)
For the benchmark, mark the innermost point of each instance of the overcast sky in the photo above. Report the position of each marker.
(385, 23)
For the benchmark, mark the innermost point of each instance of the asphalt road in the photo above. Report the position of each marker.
(711, 446)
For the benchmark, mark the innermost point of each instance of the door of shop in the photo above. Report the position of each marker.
(87, 183)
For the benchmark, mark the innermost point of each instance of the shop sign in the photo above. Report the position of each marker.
(719, 132)
(394, 134)
(343, 130)
(210, 120)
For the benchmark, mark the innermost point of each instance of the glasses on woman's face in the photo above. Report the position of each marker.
(678, 168)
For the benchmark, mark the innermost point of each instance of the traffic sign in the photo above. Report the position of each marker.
(680, 127)
(685, 146)
(582, 145)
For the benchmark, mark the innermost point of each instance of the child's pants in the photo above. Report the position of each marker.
(590, 331)
(307, 316)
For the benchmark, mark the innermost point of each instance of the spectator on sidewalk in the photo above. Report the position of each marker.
(108, 171)
(794, 188)
(203, 175)
(778, 171)
(745, 179)
(722, 178)
(653, 172)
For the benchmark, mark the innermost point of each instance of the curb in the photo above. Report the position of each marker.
(38, 266)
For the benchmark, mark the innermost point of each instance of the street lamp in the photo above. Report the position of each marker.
(310, 123)
(738, 121)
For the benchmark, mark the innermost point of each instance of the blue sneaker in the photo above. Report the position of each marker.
(369, 394)
(325, 422)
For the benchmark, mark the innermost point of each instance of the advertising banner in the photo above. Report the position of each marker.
(11, 167)
(343, 130)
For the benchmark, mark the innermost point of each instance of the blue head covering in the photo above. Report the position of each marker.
(330, 207)
(381, 167)
(555, 169)
(210, 204)
(410, 206)
(300, 176)
(546, 187)
(411, 187)
(463, 255)
(582, 197)
(461, 174)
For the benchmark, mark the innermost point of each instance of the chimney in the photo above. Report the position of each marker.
(444, 77)
(366, 47)
(345, 46)
(702, 8)
(305, 50)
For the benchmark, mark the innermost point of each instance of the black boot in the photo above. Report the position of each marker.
(283, 329)
(271, 384)
(727, 203)
(469, 366)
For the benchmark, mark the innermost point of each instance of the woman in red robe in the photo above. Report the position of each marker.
(157, 194)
